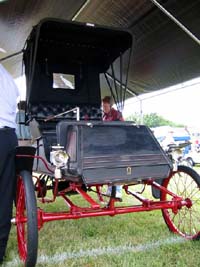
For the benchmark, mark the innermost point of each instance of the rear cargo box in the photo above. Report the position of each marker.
(112, 152)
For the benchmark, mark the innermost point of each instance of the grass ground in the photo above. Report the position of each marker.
(137, 239)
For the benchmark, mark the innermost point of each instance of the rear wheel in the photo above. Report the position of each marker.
(185, 182)
(26, 219)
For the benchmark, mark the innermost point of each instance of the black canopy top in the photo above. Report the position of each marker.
(79, 49)
(62, 40)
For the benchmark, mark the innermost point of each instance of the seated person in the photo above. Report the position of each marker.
(109, 113)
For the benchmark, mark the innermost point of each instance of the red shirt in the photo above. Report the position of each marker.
(113, 115)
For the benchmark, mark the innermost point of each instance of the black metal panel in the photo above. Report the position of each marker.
(113, 152)
(126, 174)
(116, 140)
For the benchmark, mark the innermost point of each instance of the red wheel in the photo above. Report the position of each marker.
(26, 219)
(185, 182)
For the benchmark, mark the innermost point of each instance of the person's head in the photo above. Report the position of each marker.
(107, 104)
(21, 105)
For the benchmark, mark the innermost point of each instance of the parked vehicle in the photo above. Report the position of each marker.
(193, 157)
(167, 134)
(77, 152)
(176, 154)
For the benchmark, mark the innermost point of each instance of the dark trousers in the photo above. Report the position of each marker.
(8, 142)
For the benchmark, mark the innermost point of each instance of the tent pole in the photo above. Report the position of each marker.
(123, 86)
(80, 10)
(188, 32)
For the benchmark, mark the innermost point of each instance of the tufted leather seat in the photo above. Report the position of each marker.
(42, 111)
(48, 129)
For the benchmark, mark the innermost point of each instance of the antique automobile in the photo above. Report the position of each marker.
(69, 66)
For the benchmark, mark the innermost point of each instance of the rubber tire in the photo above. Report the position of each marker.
(171, 220)
(191, 162)
(26, 206)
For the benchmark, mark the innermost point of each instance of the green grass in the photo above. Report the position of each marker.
(141, 232)
(137, 239)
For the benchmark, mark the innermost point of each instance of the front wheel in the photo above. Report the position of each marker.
(185, 183)
(26, 219)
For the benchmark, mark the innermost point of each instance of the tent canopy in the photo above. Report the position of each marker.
(162, 55)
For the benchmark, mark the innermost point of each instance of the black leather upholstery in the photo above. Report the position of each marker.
(42, 111)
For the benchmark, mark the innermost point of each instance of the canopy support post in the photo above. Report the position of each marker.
(10, 56)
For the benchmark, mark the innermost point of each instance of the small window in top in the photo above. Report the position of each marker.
(63, 81)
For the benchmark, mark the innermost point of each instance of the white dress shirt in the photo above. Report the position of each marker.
(8, 99)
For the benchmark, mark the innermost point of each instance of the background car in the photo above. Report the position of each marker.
(193, 157)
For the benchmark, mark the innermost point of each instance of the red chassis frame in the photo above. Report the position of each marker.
(77, 212)
(95, 209)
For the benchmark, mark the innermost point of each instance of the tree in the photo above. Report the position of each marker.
(152, 120)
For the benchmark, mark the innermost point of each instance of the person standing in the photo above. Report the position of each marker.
(111, 114)
(8, 141)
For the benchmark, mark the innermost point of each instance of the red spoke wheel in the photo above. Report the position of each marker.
(185, 182)
(26, 219)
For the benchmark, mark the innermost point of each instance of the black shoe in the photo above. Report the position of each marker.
(2, 260)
